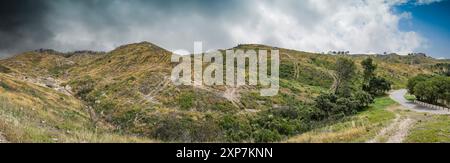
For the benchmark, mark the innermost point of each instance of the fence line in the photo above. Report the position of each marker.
(431, 106)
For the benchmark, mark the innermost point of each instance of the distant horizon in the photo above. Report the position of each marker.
(4, 56)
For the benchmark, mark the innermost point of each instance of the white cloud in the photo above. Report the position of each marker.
(321, 25)
(360, 26)
(425, 2)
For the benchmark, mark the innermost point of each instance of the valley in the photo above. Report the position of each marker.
(126, 95)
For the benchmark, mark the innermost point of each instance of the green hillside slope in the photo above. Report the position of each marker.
(130, 92)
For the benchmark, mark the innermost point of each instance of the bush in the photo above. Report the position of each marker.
(174, 128)
(267, 126)
(363, 99)
(330, 105)
(235, 129)
(265, 135)
(186, 100)
(83, 87)
(325, 104)
(286, 70)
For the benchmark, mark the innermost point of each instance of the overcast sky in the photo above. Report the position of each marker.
(360, 26)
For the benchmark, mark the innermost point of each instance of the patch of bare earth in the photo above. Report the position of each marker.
(402, 132)
(395, 132)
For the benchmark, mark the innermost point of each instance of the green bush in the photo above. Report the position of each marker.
(331, 105)
(235, 129)
(363, 99)
(174, 128)
(186, 100)
(265, 135)
(83, 87)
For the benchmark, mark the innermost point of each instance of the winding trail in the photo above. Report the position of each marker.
(398, 96)
(398, 129)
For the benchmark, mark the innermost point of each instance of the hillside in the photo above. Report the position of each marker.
(128, 91)
(33, 113)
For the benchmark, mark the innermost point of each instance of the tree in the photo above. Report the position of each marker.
(344, 100)
(431, 89)
(377, 86)
(441, 85)
(369, 69)
(373, 84)
(426, 91)
(415, 80)
(345, 71)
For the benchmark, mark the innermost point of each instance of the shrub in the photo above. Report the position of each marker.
(186, 100)
(182, 128)
(83, 87)
(235, 129)
(330, 105)
(172, 129)
(265, 135)
(363, 99)
(325, 104)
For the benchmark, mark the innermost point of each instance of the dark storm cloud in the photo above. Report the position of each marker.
(98, 24)
(22, 25)
(173, 24)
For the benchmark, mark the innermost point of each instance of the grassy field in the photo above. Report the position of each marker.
(358, 128)
(433, 130)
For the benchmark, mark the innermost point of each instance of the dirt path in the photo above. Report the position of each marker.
(385, 131)
(334, 86)
(397, 131)
(403, 128)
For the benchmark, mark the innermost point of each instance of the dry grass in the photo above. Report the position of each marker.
(347, 135)
(30, 113)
